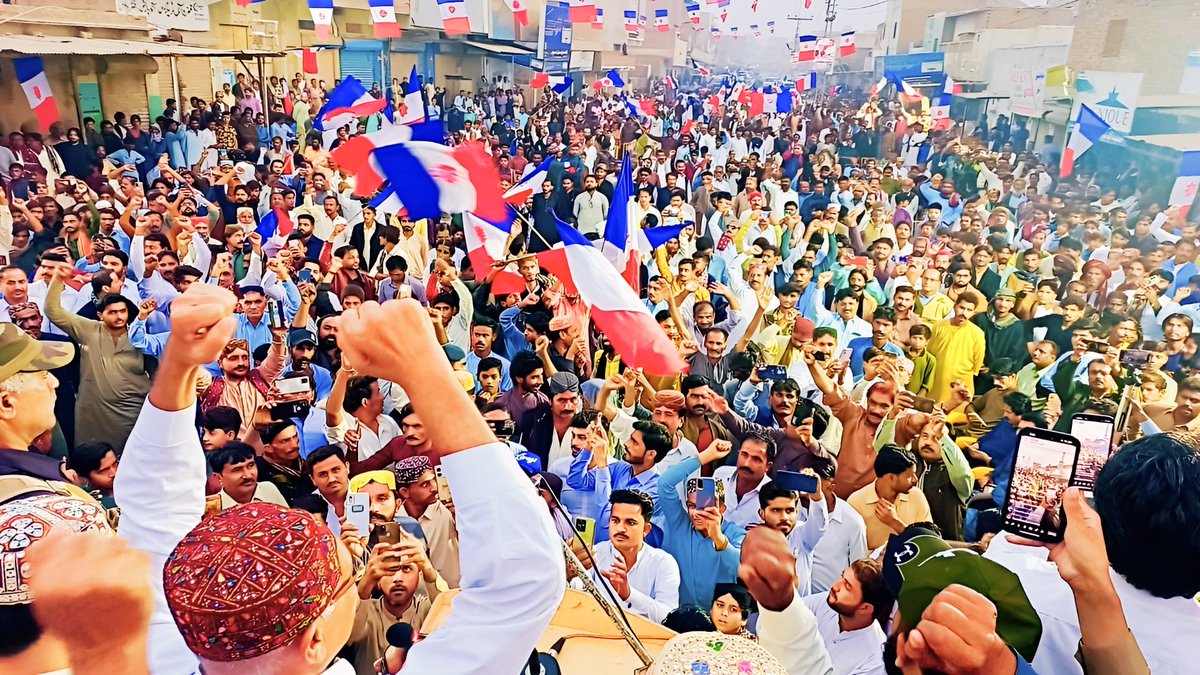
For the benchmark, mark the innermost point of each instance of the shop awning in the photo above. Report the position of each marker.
(976, 95)
(506, 49)
(76, 46)
(1177, 142)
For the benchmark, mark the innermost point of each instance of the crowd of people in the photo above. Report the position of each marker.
(302, 439)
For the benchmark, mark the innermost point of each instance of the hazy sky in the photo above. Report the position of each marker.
(861, 15)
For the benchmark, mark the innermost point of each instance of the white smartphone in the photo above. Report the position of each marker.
(358, 511)
(405, 291)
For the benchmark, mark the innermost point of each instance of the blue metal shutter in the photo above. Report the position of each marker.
(362, 64)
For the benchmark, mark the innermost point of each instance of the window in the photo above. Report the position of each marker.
(1114, 39)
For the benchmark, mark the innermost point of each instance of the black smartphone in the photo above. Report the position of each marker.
(796, 481)
(247, 247)
(1094, 433)
(1135, 358)
(772, 373)
(1097, 346)
(1043, 465)
(503, 429)
(922, 404)
(819, 356)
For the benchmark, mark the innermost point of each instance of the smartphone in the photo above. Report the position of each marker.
(819, 356)
(1135, 358)
(844, 357)
(772, 373)
(922, 404)
(386, 533)
(1094, 433)
(1097, 346)
(1043, 465)
(358, 511)
(305, 275)
(443, 485)
(247, 247)
(404, 292)
(290, 386)
(503, 428)
(858, 261)
(586, 529)
(796, 481)
(706, 496)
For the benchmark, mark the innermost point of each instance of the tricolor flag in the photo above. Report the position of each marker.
(847, 46)
(807, 83)
(631, 22)
(754, 28)
(939, 114)
(1183, 193)
(716, 32)
(346, 103)
(454, 17)
(657, 237)
(704, 72)
(693, 11)
(426, 177)
(532, 182)
(670, 82)
(630, 327)
(322, 16)
(951, 86)
(661, 21)
(485, 244)
(277, 222)
(806, 48)
(520, 11)
(412, 107)
(908, 89)
(598, 22)
(383, 18)
(620, 228)
(785, 100)
(32, 77)
(582, 11)
(771, 27)
(614, 79)
(1085, 133)
(560, 83)
(879, 86)
(539, 80)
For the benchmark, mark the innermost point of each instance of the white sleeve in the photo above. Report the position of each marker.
(160, 488)
(666, 594)
(793, 639)
(512, 578)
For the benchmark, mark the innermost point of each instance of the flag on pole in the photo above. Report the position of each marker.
(308, 60)
(520, 11)
(661, 21)
(539, 80)
(1085, 133)
(598, 22)
(807, 83)
(454, 17)
(485, 242)
(560, 83)
(346, 103)
(670, 82)
(1183, 193)
(532, 182)
(613, 79)
(276, 222)
(693, 11)
(383, 18)
(847, 47)
(582, 11)
(412, 107)
(32, 76)
(620, 228)
(615, 307)
(704, 72)
(322, 16)
(631, 22)
(806, 48)
(879, 86)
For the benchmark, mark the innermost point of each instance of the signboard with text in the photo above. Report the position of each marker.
(1113, 96)
(1028, 89)
(176, 14)
(554, 49)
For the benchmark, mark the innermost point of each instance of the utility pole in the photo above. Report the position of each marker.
(830, 16)
(797, 20)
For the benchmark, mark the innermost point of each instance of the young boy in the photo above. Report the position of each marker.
(924, 363)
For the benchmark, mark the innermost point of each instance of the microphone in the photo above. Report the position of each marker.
(400, 639)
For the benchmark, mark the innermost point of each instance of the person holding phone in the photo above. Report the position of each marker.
(892, 502)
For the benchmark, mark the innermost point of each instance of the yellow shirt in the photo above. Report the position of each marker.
(911, 507)
(959, 351)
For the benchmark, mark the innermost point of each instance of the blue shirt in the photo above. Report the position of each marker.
(701, 567)
(999, 444)
(603, 480)
(859, 346)
(950, 214)
(473, 367)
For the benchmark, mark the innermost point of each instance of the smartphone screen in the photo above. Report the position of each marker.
(305, 275)
(1095, 445)
(1042, 468)
(796, 481)
(844, 357)
(706, 496)
(772, 372)
(358, 511)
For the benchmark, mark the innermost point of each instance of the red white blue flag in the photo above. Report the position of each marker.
(454, 17)
(32, 76)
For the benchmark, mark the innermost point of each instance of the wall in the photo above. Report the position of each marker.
(1155, 38)
(973, 58)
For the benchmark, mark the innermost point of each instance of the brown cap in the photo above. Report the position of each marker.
(20, 353)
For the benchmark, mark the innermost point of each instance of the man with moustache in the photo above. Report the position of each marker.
(644, 578)
(779, 510)
(850, 616)
(235, 465)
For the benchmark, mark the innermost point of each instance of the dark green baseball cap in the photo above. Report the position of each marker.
(919, 564)
(20, 353)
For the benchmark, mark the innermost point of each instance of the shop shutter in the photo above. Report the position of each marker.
(362, 64)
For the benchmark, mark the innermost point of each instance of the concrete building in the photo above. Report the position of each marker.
(1153, 37)
(904, 22)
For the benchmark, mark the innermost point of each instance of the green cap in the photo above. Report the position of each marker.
(20, 353)
(919, 564)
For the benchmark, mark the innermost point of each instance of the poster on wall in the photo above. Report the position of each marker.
(1113, 96)
(1027, 92)
(554, 49)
